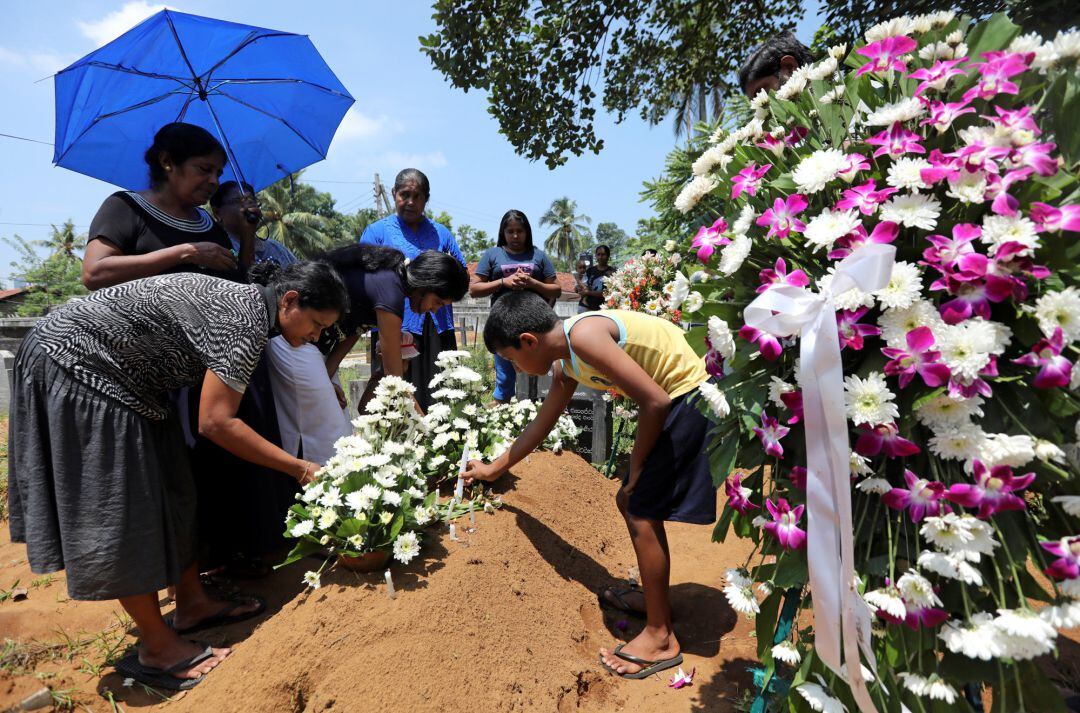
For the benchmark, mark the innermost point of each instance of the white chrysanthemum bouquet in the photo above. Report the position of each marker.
(939, 159)
(456, 415)
(505, 422)
(372, 494)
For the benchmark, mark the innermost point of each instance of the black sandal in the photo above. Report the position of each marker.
(131, 667)
(650, 667)
(225, 615)
(613, 597)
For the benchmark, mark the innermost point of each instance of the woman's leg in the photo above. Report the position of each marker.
(159, 644)
(505, 380)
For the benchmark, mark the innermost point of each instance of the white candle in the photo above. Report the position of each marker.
(389, 585)
(453, 532)
(459, 489)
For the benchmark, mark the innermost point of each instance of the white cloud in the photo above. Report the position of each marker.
(358, 126)
(40, 63)
(114, 24)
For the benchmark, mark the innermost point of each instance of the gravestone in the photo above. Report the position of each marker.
(593, 416)
(8, 361)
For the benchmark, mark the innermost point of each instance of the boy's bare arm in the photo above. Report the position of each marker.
(594, 341)
(562, 389)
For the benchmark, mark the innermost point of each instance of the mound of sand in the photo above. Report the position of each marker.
(504, 620)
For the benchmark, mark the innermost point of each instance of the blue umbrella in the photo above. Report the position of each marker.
(267, 95)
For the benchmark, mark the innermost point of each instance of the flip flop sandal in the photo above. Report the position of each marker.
(225, 615)
(131, 667)
(613, 597)
(651, 667)
(243, 567)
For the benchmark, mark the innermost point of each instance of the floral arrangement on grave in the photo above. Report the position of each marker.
(893, 294)
(653, 284)
(505, 422)
(371, 495)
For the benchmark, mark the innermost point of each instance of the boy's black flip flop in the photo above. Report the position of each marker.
(651, 667)
(225, 615)
(613, 597)
(131, 667)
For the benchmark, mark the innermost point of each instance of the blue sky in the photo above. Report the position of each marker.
(405, 114)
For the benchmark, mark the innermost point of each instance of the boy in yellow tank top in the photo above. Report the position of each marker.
(648, 360)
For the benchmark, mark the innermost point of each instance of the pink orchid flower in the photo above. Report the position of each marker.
(793, 402)
(785, 524)
(714, 362)
(896, 141)
(884, 232)
(1037, 157)
(885, 55)
(916, 617)
(1051, 220)
(918, 358)
(883, 438)
(960, 388)
(997, 191)
(778, 275)
(1014, 119)
(865, 197)
(797, 476)
(947, 251)
(993, 490)
(773, 144)
(682, 679)
(972, 295)
(1067, 550)
(920, 498)
(748, 180)
(796, 136)
(708, 239)
(942, 114)
(738, 497)
(1055, 371)
(781, 219)
(770, 434)
(854, 162)
(768, 345)
(942, 166)
(937, 76)
(852, 332)
(995, 74)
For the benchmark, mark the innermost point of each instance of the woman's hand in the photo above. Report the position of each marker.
(208, 255)
(518, 281)
(249, 207)
(305, 471)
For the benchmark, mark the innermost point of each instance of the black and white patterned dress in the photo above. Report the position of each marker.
(100, 482)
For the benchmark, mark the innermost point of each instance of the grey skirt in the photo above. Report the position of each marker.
(94, 488)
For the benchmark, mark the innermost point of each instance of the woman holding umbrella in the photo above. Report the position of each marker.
(101, 485)
(411, 232)
(163, 229)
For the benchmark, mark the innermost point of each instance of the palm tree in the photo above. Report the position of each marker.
(571, 230)
(62, 241)
(698, 104)
(287, 222)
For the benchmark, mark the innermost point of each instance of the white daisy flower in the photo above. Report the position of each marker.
(944, 410)
(1070, 587)
(733, 254)
(1067, 44)
(859, 465)
(874, 486)
(1023, 635)
(819, 700)
(785, 651)
(1000, 229)
(823, 70)
(976, 639)
(1068, 503)
(358, 502)
(1062, 616)
(742, 599)
(816, 170)
(955, 37)
(1005, 449)
(406, 547)
(694, 301)
(833, 94)
(715, 398)
(887, 600)
(1049, 452)
(934, 51)
(777, 388)
(961, 441)
(795, 84)
(869, 400)
(905, 173)
(1059, 309)
(693, 192)
(311, 579)
(933, 687)
(916, 590)
(327, 518)
(850, 299)
(745, 220)
(424, 515)
(838, 51)
(720, 337)
(903, 110)
(391, 497)
(962, 350)
(712, 158)
(304, 527)
(904, 288)
(826, 228)
(912, 210)
(951, 566)
(896, 323)
(895, 27)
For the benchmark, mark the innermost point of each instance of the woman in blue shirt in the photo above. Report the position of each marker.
(410, 231)
(511, 266)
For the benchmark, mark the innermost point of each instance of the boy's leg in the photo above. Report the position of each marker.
(657, 640)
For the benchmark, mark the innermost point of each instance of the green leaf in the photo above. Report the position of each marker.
(995, 33)
(302, 549)
(720, 532)
(765, 624)
(352, 526)
(791, 570)
(927, 397)
(722, 458)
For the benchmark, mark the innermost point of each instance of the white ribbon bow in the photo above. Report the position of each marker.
(785, 311)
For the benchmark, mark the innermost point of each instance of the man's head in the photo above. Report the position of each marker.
(771, 64)
(517, 329)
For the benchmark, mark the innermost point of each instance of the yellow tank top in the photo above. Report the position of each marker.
(658, 346)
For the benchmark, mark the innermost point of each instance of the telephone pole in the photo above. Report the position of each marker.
(382, 202)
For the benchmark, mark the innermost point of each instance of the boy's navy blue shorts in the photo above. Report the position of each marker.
(676, 483)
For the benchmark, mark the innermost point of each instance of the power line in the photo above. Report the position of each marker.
(23, 138)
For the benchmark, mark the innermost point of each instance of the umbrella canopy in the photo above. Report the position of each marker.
(267, 95)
